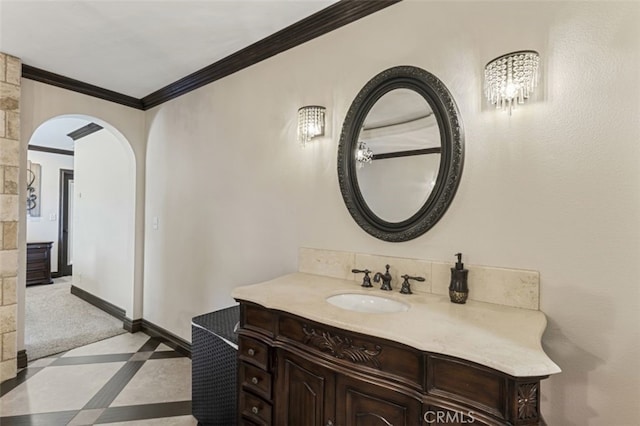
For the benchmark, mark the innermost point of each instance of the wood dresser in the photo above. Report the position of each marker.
(39, 263)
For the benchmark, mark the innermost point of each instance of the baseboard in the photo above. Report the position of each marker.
(132, 326)
(22, 358)
(177, 343)
(56, 274)
(109, 308)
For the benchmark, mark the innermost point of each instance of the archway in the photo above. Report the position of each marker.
(104, 201)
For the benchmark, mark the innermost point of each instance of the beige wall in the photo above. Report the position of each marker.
(10, 69)
(553, 188)
(42, 102)
(103, 224)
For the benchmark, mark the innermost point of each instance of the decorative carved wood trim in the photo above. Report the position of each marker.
(342, 347)
(527, 401)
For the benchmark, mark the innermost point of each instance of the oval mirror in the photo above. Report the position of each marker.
(401, 153)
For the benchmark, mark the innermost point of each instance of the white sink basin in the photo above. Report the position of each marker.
(367, 303)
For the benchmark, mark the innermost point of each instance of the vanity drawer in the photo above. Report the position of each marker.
(253, 351)
(375, 356)
(255, 409)
(257, 318)
(467, 383)
(255, 379)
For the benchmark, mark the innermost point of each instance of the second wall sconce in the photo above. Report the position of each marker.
(310, 123)
(364, 154)
(511, 78)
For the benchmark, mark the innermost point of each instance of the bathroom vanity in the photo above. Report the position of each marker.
(304, 361)
(322, 350)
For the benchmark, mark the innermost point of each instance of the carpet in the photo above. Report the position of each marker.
(57, 321)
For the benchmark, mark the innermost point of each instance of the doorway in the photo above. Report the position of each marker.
(56, 319)
(65, 234)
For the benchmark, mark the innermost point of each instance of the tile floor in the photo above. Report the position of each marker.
(130, 379)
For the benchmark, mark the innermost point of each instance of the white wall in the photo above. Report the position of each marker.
(43, 228)
(555, 187)
(103, 221)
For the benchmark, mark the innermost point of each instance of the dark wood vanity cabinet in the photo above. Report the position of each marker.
(359, 403)
(255, 382)
(305, 390)
(39, 263)
(309, 394)
(293, 371)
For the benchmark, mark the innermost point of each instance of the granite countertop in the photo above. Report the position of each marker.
(500, 337)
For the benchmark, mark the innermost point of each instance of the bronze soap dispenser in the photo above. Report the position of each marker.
(458, 289)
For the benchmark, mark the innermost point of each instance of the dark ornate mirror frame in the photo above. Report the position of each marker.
(451, 160)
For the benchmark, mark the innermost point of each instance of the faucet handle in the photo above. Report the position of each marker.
(406, 286)
(366, 280)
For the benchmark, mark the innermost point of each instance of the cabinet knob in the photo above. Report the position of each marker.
(251, 352)
(254, 380)
(254, 410)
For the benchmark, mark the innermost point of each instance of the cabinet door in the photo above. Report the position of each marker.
(304, 392)
(359, 403)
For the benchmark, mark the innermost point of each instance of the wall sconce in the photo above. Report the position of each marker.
(364, 155)
(310, 123)
(511, 78)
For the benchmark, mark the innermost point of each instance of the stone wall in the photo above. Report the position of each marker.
(10, 73)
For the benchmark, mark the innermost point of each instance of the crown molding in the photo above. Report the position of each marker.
(331, 18)
(49, 150)
(37, 74)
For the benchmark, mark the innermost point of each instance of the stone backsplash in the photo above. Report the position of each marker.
(510, 287)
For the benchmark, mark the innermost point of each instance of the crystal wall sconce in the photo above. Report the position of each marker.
(511, 78)
(310, 123)
(364, 155)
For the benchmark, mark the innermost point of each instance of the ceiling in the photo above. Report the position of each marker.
(53, 133)
(134, 47)
(137, 47)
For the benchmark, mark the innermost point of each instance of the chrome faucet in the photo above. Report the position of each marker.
(386, 279)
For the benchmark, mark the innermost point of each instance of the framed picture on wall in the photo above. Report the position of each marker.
(33, 189)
